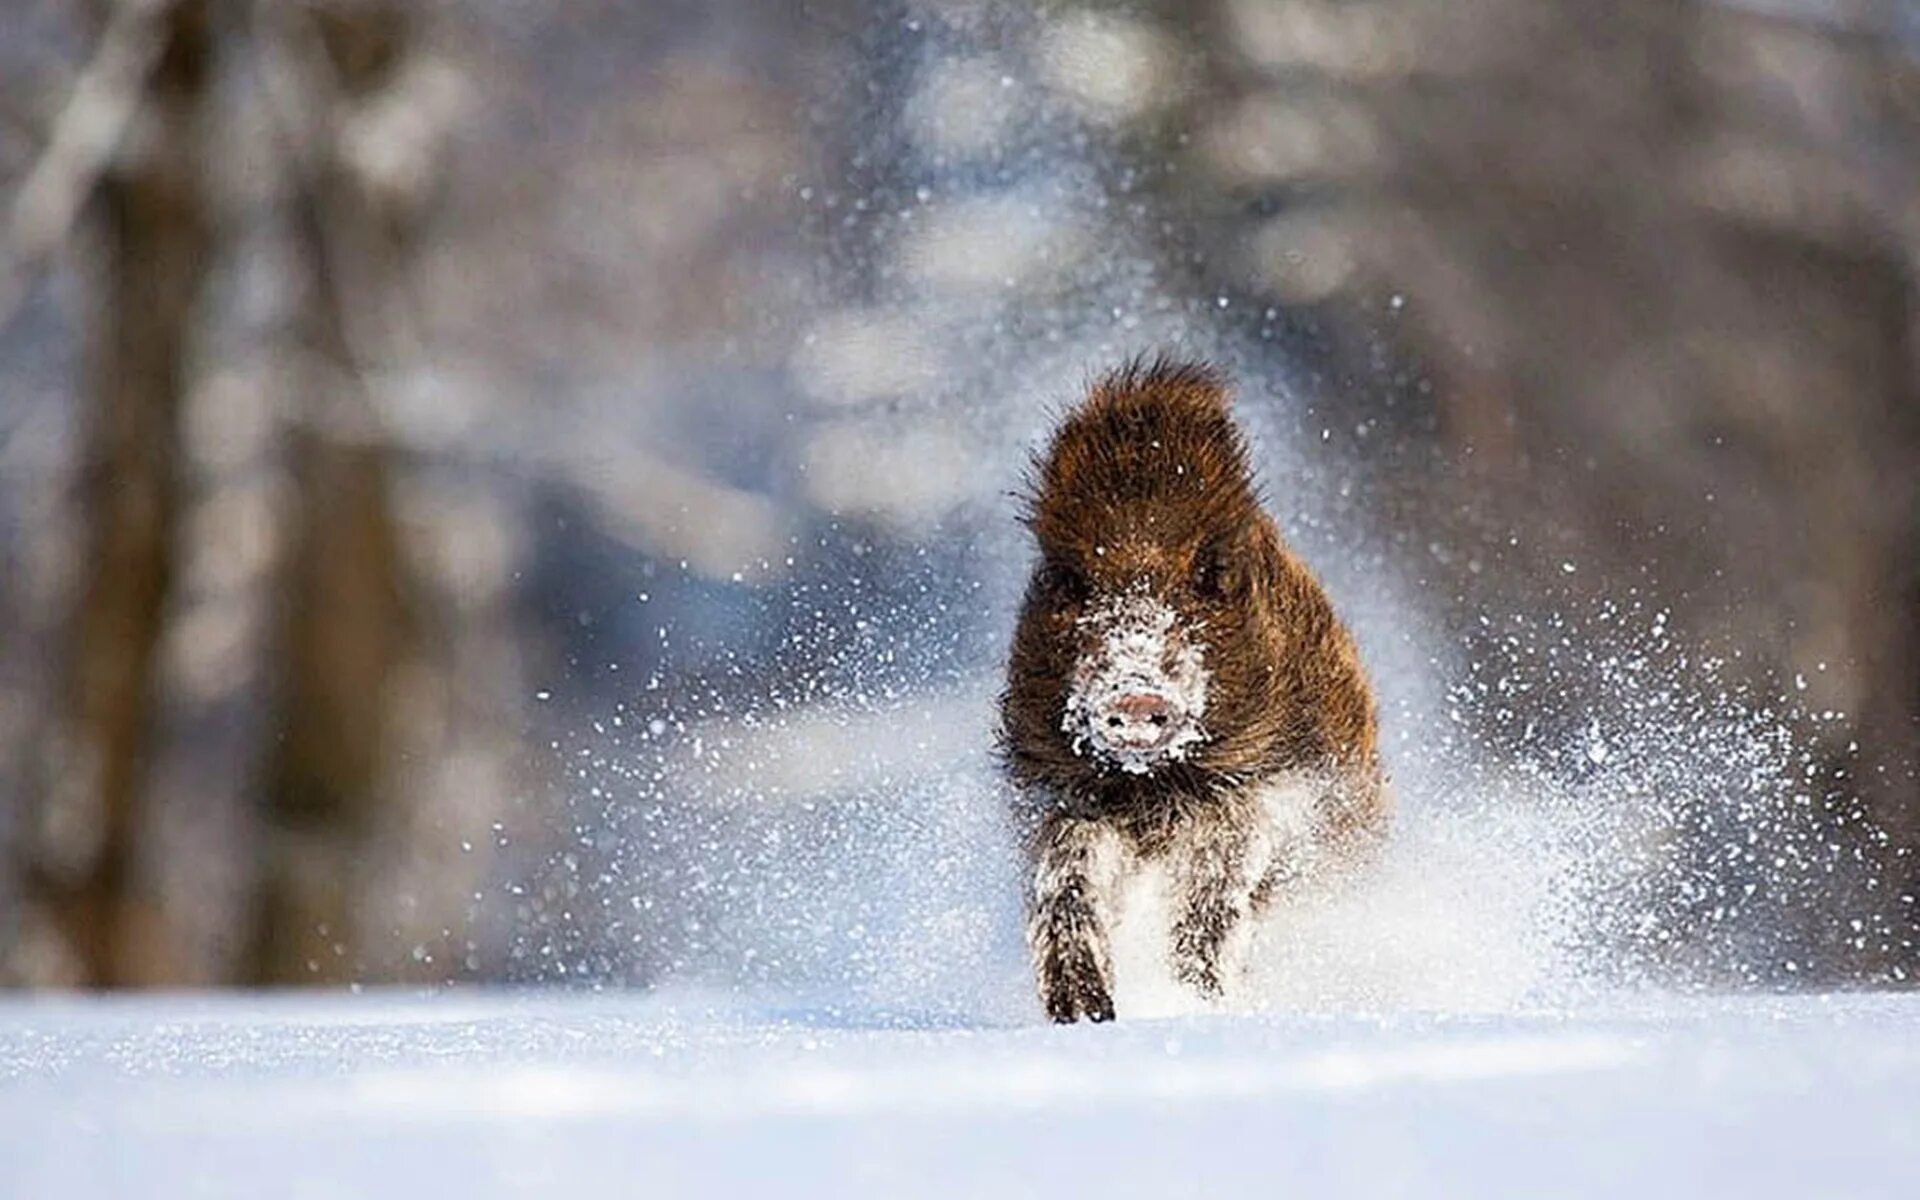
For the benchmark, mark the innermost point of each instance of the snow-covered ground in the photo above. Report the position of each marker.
(487, 1094)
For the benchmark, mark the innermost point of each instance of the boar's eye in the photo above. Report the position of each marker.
(1062, 582)
(1212, 574)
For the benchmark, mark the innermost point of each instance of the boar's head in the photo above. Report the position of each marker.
(1161, 642)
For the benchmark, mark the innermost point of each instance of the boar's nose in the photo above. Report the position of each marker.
(1138, 719)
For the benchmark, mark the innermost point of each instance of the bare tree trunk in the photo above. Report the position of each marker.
(342, 637)
(345, 632)
(83, 886)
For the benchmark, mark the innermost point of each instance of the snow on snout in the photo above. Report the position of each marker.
(1138, 655)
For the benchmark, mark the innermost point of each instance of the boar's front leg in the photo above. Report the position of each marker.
(1076, 868)
(1215, 876)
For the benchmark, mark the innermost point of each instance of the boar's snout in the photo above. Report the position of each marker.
(1138, 691)
(1138, 719)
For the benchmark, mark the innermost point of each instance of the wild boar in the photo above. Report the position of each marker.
(1180, 695)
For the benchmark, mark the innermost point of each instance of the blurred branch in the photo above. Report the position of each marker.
(85, 136)
(360, 121)
(303, 96)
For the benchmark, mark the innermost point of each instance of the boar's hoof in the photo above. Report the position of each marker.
(1071, 995)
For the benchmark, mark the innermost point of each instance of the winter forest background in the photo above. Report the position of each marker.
(513, 491)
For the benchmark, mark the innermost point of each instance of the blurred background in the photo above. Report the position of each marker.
(510, 491)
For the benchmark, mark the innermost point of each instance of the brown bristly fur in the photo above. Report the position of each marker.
(1146, 486)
